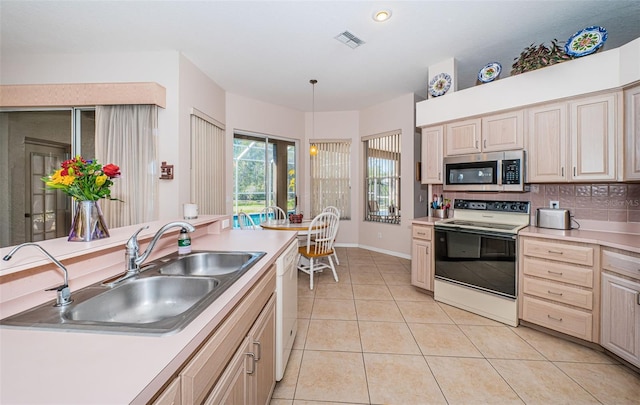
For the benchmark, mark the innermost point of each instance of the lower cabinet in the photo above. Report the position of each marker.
(621, 305)
(250, 377)
(236, 365)
(422, 269)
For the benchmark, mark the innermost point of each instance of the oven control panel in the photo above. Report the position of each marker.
(521, 207)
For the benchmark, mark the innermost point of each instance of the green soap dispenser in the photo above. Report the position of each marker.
(184, 242)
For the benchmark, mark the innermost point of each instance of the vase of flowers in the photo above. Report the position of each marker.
(87, 181)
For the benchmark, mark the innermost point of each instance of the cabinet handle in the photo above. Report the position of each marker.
(554, 293)
(439, 174)
(253, 363)
(638, 298)
(557, 273)
(421, 233)
(556, 252)
(554, 318)
(259, 355)
(484, 144)
(476, 144)
(427, 249)
(562, 171)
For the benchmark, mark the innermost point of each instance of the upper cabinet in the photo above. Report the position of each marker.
(573, 140)
(432, 139)
(491, 133)
(632, 134)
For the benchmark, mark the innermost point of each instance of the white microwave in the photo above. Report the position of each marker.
(495, 171)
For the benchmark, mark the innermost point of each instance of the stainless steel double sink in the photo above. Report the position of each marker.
(167, 294)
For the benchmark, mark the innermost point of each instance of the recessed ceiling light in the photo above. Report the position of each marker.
(381, 15)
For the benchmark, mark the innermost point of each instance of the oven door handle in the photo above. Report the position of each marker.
(452, 229)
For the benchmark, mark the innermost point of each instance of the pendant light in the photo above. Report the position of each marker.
(313, 150)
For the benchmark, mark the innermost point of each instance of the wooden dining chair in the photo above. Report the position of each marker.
(320, 237)
(245, 221)
(335, 210)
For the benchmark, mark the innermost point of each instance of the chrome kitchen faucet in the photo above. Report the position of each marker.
(63, 291)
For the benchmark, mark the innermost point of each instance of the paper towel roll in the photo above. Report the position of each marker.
(190, 211)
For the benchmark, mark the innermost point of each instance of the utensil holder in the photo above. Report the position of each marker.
(441, 213)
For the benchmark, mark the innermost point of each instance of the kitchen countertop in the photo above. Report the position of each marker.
(39, 366)
(626, 239)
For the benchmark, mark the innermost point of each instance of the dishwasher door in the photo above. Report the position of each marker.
(286, 306)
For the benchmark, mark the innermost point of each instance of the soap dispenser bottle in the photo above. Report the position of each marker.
(184, 242)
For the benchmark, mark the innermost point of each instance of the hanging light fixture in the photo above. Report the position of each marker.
(313, 150)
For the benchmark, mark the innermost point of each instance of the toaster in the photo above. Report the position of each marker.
(553, 218)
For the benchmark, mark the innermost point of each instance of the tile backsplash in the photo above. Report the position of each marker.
(613, 202)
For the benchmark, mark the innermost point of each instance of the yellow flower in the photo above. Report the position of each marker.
(58, 178)
(100, 180)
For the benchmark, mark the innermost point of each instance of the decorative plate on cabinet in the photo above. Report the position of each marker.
(586, 41)
(490, 72)
(440, 84)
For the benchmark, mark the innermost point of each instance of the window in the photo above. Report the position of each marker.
(382, 177)
(330, 183)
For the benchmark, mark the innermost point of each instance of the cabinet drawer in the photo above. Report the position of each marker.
(422, 232)
(581, 276)
(560, 252)
(559, 292)
(621, 263)
(562, 319)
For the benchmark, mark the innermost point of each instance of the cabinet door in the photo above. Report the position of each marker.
(594, 125)
(232, 388)
(621, 317)
(263, 346)
(421, 268)
(547, 143)
(171, 395)
(632, 135)
(463, 137)
(503, 132)
(432, 154)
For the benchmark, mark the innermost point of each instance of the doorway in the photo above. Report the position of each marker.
(264, 173)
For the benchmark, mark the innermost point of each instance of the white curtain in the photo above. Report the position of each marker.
(126, 135)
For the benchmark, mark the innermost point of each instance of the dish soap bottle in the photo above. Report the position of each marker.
(184, 242)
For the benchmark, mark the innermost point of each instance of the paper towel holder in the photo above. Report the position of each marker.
(166, 171)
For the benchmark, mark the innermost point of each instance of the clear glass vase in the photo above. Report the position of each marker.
(88, 223)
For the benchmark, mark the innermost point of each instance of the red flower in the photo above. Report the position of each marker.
(111, 170)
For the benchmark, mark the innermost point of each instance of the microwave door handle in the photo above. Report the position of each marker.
(499, 174)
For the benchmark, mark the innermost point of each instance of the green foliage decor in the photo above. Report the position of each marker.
(536, 57)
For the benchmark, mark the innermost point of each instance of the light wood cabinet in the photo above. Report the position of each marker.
(503, 131)
(559, 286)
(171, 395)
(497, 132)
(631, 145)
(574, 140)
(422, 266)
(621, 304)
(432, 150)
(463, 137)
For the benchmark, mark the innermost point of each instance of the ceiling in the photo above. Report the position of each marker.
(269, 50)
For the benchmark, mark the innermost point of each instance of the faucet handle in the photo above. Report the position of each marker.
(63, 295)
(132, 243)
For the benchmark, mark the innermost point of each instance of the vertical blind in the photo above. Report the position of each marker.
(330, 177)
(382, 181)
(207, 164)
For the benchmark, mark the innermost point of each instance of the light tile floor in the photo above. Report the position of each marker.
(372, 338)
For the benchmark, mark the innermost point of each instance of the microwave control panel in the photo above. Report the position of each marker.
(511, 171)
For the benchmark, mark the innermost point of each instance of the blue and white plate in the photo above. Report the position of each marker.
(586, 41)
(490, 72)
(440, 84)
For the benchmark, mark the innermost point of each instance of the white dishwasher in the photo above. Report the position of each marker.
(286, 306)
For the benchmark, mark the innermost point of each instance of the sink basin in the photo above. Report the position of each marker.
(144, 300)
(202, 263)
(166, 296)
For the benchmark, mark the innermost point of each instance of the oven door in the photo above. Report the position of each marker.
(482, 260)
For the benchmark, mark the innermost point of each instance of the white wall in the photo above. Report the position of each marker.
(245, 114)
(391, 115)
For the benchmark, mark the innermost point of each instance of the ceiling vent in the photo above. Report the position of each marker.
(349, 40)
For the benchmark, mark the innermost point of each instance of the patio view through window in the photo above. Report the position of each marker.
(264, 174)
(382, 177)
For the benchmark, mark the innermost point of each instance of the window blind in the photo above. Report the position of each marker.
(382, 178)
(330, 177)
(207, 165)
